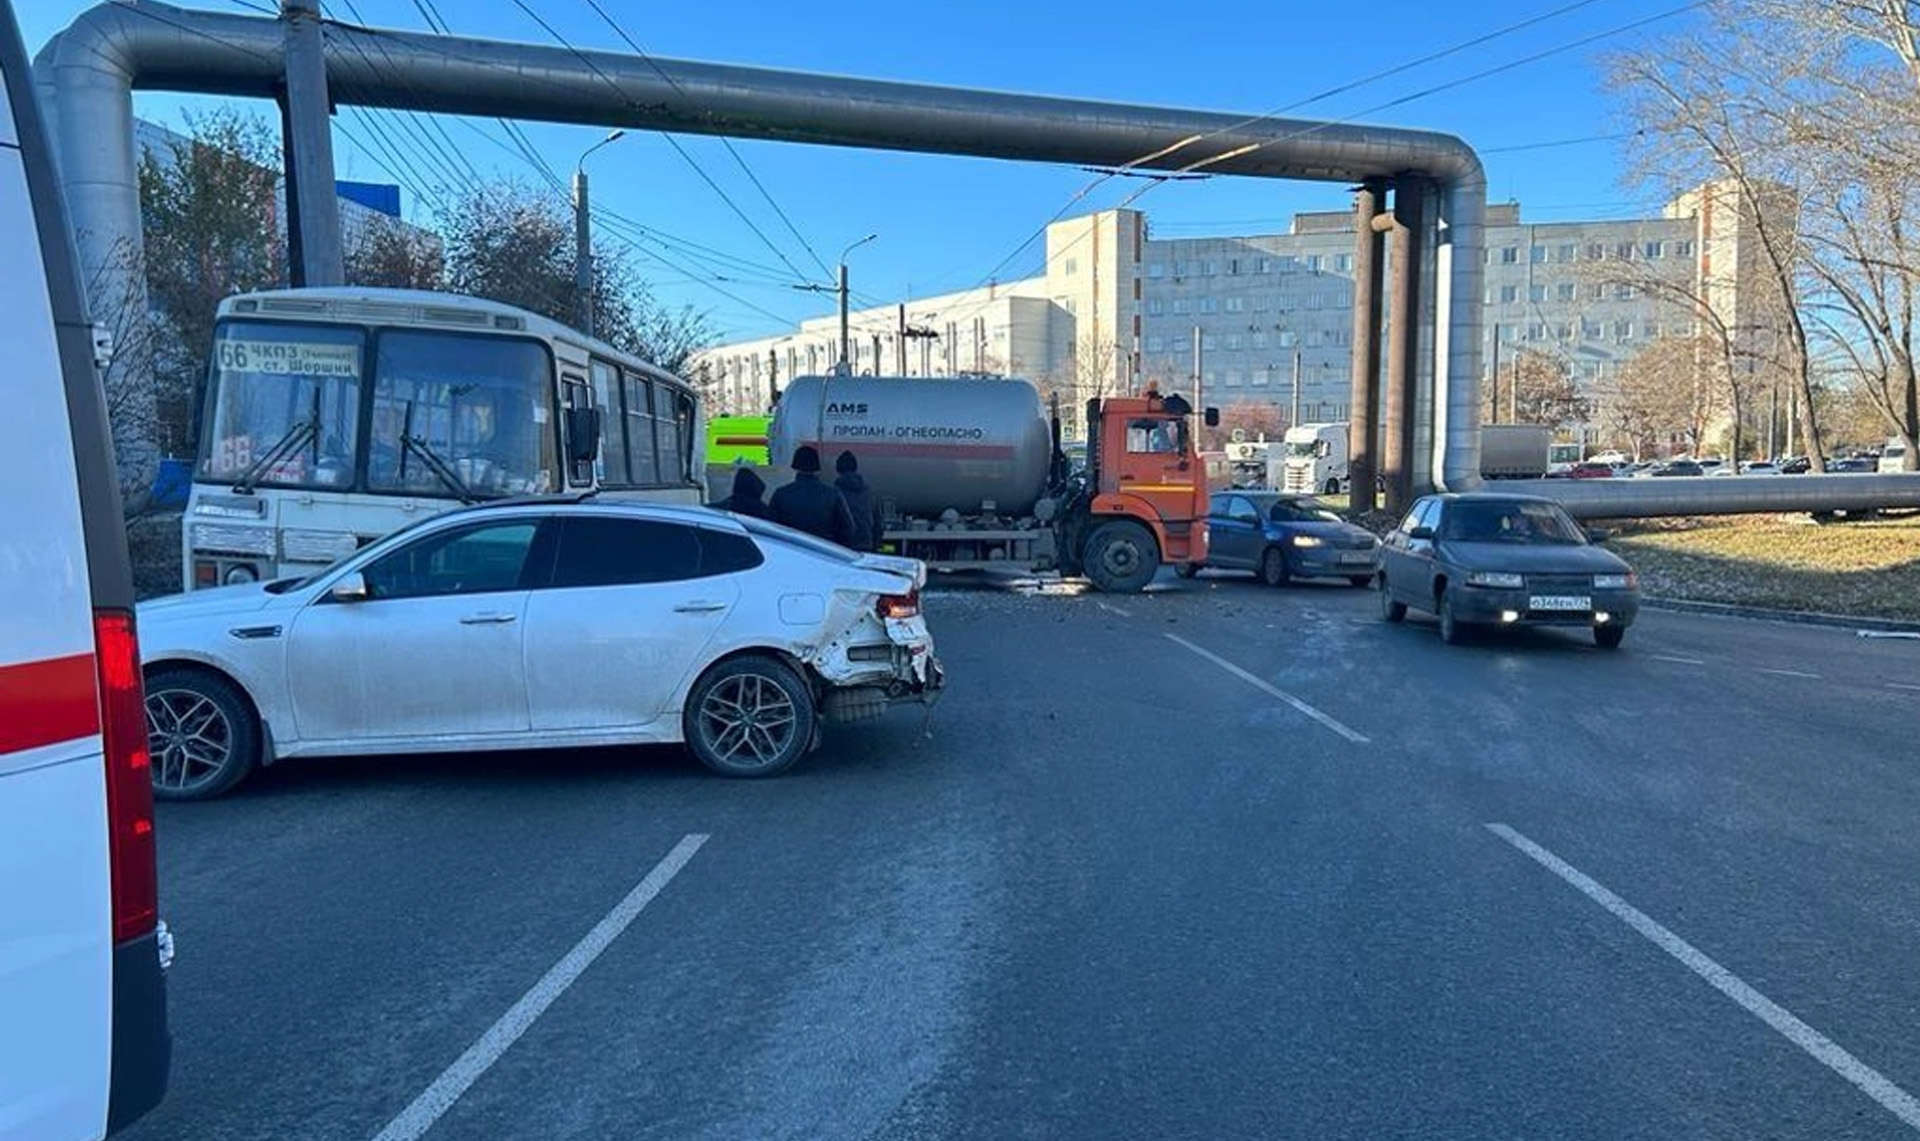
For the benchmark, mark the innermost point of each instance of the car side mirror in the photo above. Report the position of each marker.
(1422, 533)
(1211, 417)
(583, 434)
(351, 587)
(1598, 534)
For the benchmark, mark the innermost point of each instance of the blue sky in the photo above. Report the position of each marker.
(944, 223)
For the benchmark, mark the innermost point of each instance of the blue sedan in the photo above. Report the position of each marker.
(1284, 537)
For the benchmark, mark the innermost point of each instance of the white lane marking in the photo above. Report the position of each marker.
(1907, 635)
(1265, 687)
(1823, 1049)
(1678, 659)
(1790, 673)
(454, 1081)
(1901, 685)
(1112, 609)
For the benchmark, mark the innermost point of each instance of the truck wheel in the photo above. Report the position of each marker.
(749, 717)
(202, 734)
(1121, 558)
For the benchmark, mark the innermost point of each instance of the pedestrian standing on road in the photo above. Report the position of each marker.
(862, 503)
(808, 505)
(748, 487)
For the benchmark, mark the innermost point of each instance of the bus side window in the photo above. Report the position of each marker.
(640, 442)
(574, 394)
(612, 464)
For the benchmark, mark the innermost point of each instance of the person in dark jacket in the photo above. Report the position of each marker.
(862, 503)
(748, 487)
(808, 505)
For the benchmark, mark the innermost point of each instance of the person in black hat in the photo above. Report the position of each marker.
(808, 505)
(748, 487)
(862, 504)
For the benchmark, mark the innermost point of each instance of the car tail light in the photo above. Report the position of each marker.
(899, 605)
(123, 723)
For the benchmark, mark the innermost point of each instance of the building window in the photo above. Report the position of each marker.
(1155, 307)
(1072, 305)
(1566, 252)
(1261, 304)
(1073, 266)
(1233, 342)
(1314, 262)
(1563, 331)
(1537, 255)
(1650, 329)
(1209, 305)
(1653, 249)
(1509, 255)
(1536, 293)
(1156, 269)
(1288, 262)
(1683, 249)
(1236, 304)
(1181, 307)
(1262, 265)
(1596, 291)
(1233, 378)
(1207, 342)
(1313, 301)
(1343, 263)
(1623, 330)
(1179, 269)
(1595, 251)
(1509, 294)
(1623, 251)
(1233, 266)
(1624, 292)
(1536, 332)
(1259, 340)
(1287, 339)
(1565, 291)
(1261, 375)
(1156, 344)
(1590, 330)
(1206, 268)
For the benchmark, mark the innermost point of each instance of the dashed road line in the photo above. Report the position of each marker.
(457, 1078)
(1112, 609)
(1823, 1049)
(1902, 685)
(1678, 659)
(1791, 673)
(1268, 688)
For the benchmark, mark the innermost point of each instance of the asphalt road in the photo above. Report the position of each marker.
(1240, 884)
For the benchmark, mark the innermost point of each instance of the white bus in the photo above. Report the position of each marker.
(335, 416)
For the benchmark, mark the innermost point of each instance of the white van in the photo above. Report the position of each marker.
(84, 1047)
(1893, 457)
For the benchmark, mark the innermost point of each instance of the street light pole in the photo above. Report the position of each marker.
(583, 239)
(846, 359)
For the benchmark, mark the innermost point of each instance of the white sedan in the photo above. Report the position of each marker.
(533, 625)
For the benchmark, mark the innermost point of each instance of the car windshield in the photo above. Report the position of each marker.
(456, 409)
(283, 405)
(1510, 521)
(1300, 511)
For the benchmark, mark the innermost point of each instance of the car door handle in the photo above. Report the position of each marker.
(487, 619)
(699, 607)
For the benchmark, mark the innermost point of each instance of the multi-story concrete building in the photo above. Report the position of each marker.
(1115, 309)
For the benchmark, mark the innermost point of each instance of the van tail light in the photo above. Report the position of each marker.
(123, 724)
(899, 605)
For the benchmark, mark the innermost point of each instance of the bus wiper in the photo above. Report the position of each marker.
(419, 446)
(302, 433)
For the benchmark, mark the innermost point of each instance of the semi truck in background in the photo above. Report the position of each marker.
(971, 474)
(1516, 451)
(1313, 460)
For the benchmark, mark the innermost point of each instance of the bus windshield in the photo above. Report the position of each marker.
(284, 405)
(478, 409)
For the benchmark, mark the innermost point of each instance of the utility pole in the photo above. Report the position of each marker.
(839, 288)
(1494, 388)
(314, 248)
(1198, 361)
(1294, 416)
(583, 239)
(846, 341)
(900, 340)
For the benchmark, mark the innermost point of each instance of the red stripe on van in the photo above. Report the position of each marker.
(46, 702)
(931, 451)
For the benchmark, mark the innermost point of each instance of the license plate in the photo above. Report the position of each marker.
(1560, 602)
(1355, 560)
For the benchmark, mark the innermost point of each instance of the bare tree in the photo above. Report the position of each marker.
(1657, 398)
(387, 254)
(1254, 419)
(1536, 388)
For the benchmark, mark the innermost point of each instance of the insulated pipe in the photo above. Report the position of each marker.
(1403, 343)
(89, 70)
(1363, 400)
(1718, 495)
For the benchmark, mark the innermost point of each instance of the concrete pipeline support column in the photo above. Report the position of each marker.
(314, 246)
(1364, 399)
(1403, 339)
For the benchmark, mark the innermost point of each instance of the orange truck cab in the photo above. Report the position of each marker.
(1142, 500)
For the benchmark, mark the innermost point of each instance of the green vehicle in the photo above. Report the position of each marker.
(737, 439)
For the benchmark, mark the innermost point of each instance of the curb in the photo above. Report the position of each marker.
(1768, 614)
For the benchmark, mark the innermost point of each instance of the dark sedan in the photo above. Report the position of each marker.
(1284, 537)
(1504, 560)
(1680, 467)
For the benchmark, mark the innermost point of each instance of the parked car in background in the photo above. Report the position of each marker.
(1852, 466)
(1284, 537)
(1592, 469)
(1795, 465)
(84, 1043)
(1678, 467)
(1893, 457)
(1481, 559)
(1759, 467)
(537, 624)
